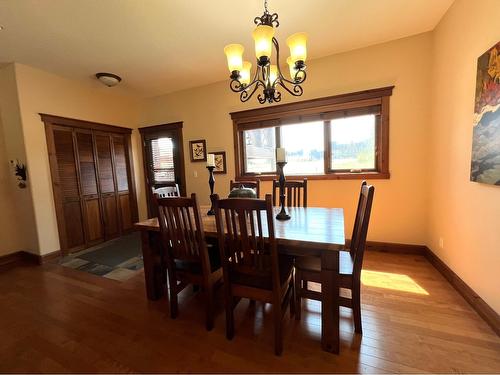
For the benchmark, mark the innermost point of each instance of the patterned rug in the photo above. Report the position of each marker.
(118, 259)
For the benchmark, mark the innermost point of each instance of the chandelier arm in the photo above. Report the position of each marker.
(296, 91)
(247, 94)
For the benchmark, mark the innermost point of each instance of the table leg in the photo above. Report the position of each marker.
(330, 301)
(152, 266)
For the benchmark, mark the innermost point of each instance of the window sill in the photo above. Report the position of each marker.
(330, 176)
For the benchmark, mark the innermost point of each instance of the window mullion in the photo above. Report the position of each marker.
(327, 153)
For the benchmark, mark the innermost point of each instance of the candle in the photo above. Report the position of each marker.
(280, 155)
(210, 160)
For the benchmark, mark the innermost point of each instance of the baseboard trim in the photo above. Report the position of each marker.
(25, 257)
(484, 310)
(391, 247)
(48, 257)
(12, 259)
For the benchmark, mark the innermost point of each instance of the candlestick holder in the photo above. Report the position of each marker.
(282, 215)
(211, 183)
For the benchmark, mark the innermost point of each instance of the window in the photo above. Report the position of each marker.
(260, 147)
(352, 143)
(339, 137)
(162, 160)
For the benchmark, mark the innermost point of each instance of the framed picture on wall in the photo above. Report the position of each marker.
(485, 161)
(198, 150)
(220, 162)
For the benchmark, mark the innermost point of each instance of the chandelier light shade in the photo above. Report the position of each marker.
(263, 37)
(267, 75)
(297, 44)
(234, 54)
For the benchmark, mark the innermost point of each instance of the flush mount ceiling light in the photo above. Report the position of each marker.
(267, 75)
(109, 79)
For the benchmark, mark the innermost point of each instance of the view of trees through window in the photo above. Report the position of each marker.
(352, 141)
(352, 146)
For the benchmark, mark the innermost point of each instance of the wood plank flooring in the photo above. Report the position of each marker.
(55, 319)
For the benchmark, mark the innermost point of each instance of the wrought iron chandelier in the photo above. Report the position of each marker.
(267, 75)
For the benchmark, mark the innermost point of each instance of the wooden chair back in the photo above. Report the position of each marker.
(356, 220)
(247, 184)
(242, 226)
(295, 193)
(167, 191)
(181, 229)
(358, 241)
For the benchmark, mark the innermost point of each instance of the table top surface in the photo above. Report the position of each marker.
(313, 228)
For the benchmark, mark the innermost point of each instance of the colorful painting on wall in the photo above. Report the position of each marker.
(485, 164)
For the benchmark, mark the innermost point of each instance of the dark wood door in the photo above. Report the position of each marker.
(91, 207)
(107, 185)
(67, 186)
(163, 156)
(92, 180)
(122, 182)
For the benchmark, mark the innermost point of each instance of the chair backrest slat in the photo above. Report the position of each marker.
(243, 242)
(358, 240)
(255, 185)
(182, 230)
(295, 193)
(167, 191)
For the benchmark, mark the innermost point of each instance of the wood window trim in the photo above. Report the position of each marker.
(322, 109)
(155, 129)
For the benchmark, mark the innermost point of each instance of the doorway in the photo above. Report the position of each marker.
(163, 155)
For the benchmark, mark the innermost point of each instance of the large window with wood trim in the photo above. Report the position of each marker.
(339, 137)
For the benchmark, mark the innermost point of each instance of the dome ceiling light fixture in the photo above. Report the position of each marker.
(267, 75)
(108, 79)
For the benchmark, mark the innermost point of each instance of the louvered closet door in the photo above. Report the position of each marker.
(73, 237)
(107, 185)
(91, 208)
(122, 182)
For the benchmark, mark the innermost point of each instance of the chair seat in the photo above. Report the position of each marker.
(313, 264)
(264, 281)
(195, 267)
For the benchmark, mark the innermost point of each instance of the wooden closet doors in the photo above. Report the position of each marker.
(92, 179)
(89, 191)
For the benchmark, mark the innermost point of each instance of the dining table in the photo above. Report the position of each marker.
(311, 231)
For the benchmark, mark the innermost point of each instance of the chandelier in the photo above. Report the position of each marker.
(267, 76)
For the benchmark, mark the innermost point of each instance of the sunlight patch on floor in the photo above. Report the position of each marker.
(392, 281)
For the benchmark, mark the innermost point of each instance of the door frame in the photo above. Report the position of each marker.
(175, 127)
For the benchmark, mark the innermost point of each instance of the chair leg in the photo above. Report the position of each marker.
(278, 333)
(229, 318)
(292, 297)
(209, 307)
(356, 308)
(174, 306)
(298, 297)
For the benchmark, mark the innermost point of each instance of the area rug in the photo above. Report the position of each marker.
(118, 259)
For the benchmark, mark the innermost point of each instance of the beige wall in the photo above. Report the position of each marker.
(404, 63)
(17, 220)
(42, 92)
(464, 213)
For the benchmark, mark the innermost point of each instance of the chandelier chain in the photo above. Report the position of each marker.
(265, 7)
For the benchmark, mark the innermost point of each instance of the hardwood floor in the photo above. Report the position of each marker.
(55, 319)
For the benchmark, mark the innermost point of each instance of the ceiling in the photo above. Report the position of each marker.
(160, 46)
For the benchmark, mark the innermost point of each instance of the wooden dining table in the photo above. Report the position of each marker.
(311, 231)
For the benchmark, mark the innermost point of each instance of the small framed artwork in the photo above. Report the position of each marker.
(220, 162)
(198, 150)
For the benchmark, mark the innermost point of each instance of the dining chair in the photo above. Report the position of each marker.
(188, 258)
(255, 185)
(351, 262)
(295, 193)
(251, 265)
(167, 191)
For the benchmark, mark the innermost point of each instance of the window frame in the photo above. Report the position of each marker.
(321, 109)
